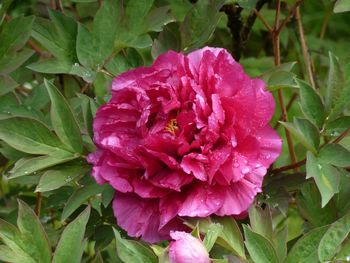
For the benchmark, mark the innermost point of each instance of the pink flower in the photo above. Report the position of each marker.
(185, 137)
(187, 249)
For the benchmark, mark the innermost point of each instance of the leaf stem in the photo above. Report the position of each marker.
(39, 198)
(304, 48)
(263, 20)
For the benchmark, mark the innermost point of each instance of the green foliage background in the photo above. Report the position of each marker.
(57, 61)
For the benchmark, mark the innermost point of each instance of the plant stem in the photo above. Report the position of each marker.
(277, 59)
(326, 20)
(39, 198)
(288, 167)
(304, 48)
(53, 4)
(342, 135)
(289, 105)
(263, 20)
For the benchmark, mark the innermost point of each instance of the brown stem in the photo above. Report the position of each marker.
(277, 59)
(326, 20)
(60, 6)
(289, 105)
(100, 2)
(288, 167)
(291, 13)
(263, 20)
(53, 4)
(34, 47)
(304, 48)
(39, 198)
(342, 135)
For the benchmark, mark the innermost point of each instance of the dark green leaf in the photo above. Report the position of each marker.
(333, 238)
(305, 250)
(311, 104)
(63, 120)
(335, 154)
(7, 84)
(133, 251)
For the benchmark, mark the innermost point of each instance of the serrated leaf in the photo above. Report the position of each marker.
(334, 154)
(333, 238)
(33, 233)
(311, 104)
(260, 249)
(325, 176)
(28, 135)
(305, 249)
(70, 247)
(133, 251)
(63, 119)
(211, 235)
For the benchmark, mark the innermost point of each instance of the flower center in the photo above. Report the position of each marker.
(172, 126)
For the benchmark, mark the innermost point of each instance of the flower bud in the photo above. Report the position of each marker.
(187, 249)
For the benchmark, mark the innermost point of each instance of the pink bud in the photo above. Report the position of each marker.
(187, 249)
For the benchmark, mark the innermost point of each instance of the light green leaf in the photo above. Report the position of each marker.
(260, 249)
(63, 119)
(325, 176)
(231, 236)
(305, 249)
(335, 154)
(28, 135)
(342, 6)
(29, 165)
(70, 247)
(60, 176)
(211, 235)
(333, 238)
(281, 79)
(261, 221)
(133, 251)
(311, 104)
(33, 233)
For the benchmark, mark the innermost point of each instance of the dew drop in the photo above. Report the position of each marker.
(26, 172)
(68, 179)
(76, 64)
(245, 161)
(236, 165)
(258, 165)
(347, 258)
(245, 170)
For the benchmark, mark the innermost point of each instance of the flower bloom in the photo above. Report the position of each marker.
(185, 137)
(187, 249)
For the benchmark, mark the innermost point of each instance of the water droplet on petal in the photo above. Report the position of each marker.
(236, 165)
(258, 165)
(245, 170)
(245, 161)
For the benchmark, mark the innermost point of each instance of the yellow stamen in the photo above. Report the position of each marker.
(172, 126)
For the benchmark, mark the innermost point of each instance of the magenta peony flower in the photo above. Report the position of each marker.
(187, 249)
(185, 137)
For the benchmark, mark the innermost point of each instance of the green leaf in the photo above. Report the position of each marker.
(261, 221)
(281, 79)
(79, 197)
(342, 6)
(28, 135)
(305, 132)
(15, 34)
(70, 247)
(60, 176)
(200, 23)
(326, 177)
(63, 119)
(211, 235)
(344, 252)
(95, 46)
(343, 197)
(29, 165)
(260, 249)
(7, 84)
(338, 92)
(158, 18)
(305, 249)
(333, 238)
(33, 233)
(311, 104)
(335, 154)
(309, 204)
(340, 123)
(280, 242)
(133, 251)
(12, 61)
(51, 66)
(231, 236)
(135, 14)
